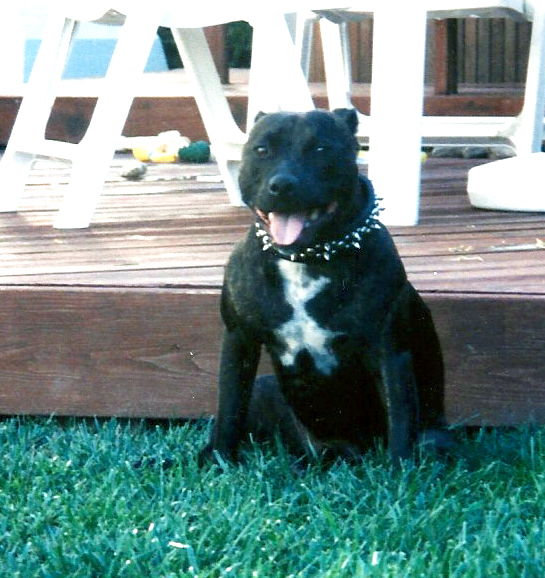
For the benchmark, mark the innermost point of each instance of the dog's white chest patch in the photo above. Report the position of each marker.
(302, 332)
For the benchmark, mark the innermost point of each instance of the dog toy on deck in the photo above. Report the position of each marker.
(162, 148)
(169, 147)
(197, 152)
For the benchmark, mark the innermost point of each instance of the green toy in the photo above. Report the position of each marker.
(197, 152)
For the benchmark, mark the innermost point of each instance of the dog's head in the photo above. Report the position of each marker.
(299, 174)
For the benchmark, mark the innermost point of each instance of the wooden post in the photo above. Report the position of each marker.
(446, 53)
(215, 36)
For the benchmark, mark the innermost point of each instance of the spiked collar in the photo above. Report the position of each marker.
(325, 251)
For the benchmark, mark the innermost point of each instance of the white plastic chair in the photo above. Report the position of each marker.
(276, 82)
(398, 60)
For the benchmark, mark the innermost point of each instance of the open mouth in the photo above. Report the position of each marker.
(287, 228)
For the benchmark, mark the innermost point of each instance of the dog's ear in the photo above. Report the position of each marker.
(349, 116)
(259, 115)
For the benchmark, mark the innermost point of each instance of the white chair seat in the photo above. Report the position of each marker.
(515, 184)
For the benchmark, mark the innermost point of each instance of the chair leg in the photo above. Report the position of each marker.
(277, 81)
(304, 38)
(96, 149)
(400, 187)
(337, 63)
(225, 136)
(229, 173)
(527, 134)
(29, 127)
(14, 169)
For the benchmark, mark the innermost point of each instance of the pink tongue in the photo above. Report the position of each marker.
(285, 229)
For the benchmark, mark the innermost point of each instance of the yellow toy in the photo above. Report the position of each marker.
(162, 148)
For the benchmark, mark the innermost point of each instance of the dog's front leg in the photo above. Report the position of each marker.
(398, 389)
(238, 367)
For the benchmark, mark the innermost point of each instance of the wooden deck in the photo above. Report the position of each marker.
(122, 318)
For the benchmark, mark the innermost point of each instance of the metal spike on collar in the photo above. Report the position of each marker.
(324, 251)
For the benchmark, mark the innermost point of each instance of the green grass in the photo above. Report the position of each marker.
(72, 504)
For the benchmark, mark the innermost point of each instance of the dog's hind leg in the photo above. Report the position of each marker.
(429, 373)
(397, 382)
(428, 366)
(270, 415)
(400, 398)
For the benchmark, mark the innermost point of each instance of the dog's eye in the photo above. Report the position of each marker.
(261, 150)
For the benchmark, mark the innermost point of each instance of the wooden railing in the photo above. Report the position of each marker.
(469, 51)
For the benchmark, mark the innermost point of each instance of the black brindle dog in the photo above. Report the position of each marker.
(319, 283)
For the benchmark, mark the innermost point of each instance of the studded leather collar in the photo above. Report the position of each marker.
(351, 241)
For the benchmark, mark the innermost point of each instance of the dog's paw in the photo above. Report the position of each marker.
(209, 456)
(439, 440)
(206, 456)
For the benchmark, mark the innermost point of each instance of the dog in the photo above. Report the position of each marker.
(318, 282)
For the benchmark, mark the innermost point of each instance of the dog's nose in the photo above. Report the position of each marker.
(282, 184)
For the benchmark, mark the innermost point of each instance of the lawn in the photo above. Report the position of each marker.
(95, 499)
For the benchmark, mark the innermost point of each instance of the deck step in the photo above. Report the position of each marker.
(123, 318)
(154, 353)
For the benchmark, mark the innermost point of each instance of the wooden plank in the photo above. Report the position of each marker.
(461, 48)
(140, 242)
(316, 71)
(510, 51)
(155, 353)
(511, 243)
(215, 37)
(523, 47)
(106, 251)
(121, 261)
(440, 58)
(189, 278)
(361, 47)
(70, 116)
(498, 51)
(113, 352)
(473, 105)
(446, 57)
(471, 40)
(9, 105)
(462, 274)
(151, 115)
(494, 357)
(456, 273)
(482, 49)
